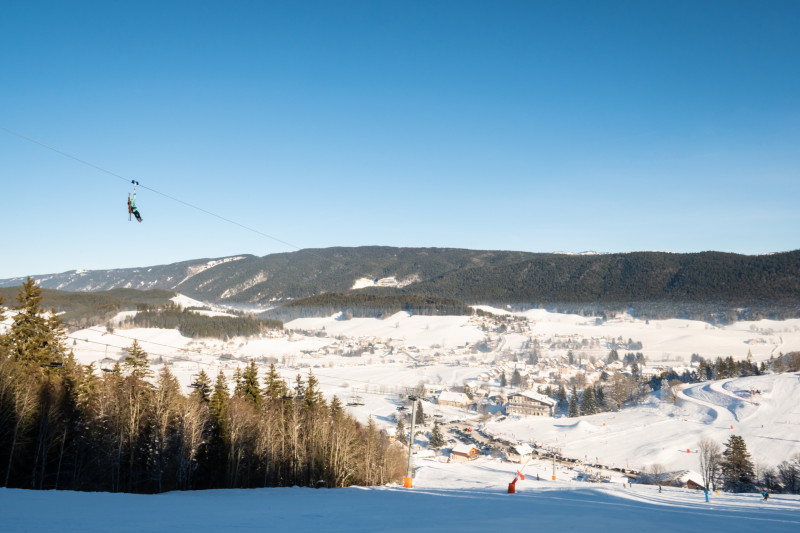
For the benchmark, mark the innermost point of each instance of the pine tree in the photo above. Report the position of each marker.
(313, 396)
(516, 378)
(136, 362)
(400, 431)
(561, 397)
(420, 419)
(274, 385)
(336, 408)
(736, 466)
(299, 387)
(574, 411)
(238, 383)
(503, 381)
(600, 398)
(250, 388)
(219, 432)
(202, 387)
(219, 399)
(437, 439)
(35, 336)
(588, 403)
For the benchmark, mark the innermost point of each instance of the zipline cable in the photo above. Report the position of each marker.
(174, 199)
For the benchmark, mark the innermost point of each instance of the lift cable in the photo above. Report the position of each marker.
(174, 199)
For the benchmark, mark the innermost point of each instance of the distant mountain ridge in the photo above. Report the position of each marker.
(472, 276)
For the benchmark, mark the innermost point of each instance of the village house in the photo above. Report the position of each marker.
(456, 399)
(464, 452)
(520, 453)
(529, 403)
(432, 388)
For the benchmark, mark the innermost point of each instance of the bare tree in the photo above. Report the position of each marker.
(710, 456)
(658, 472)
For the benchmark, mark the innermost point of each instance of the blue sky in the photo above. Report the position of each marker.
(537, 126)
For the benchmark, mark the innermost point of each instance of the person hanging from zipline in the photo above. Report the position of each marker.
(132, 203)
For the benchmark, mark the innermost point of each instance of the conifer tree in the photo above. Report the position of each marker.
(400, 431)
(299, 387)
(250, 388)
(588, 403)
(35, 336)
(202, 388)
(219, 399)
(736, 466)
(420, 419)
(561, 397)
(136, 362)
(336, 408)
(600, 398)
(238, 383)
(437, 439)
(573, 403)
(274, 385)
(313, 396)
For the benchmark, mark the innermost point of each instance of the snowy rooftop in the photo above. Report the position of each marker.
(538, 397)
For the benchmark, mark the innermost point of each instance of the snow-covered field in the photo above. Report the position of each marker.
(446, 497)
(653, 432)
(470, 497)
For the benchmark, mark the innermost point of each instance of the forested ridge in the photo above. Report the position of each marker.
(369, 305)
(642, 276)
(91, 308)
(63, 426)
(696, 285)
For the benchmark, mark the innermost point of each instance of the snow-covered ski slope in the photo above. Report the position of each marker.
(667, 434)
(446, 497)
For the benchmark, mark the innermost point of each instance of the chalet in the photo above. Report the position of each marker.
(689, 479)
(464, 452)
(520, 453)
(456, 399)
(529, 403)
(432, 388)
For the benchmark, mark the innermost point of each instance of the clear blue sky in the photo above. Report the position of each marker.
(538, 126)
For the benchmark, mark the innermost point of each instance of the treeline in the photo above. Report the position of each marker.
(84, 309)
(369, 305)
(64, 427)
(708, 278)
(195, 325)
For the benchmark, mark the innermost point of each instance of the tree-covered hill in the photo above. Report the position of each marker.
(769, 284)
(91, 308)
(644, 276)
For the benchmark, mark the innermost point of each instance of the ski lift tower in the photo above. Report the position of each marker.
(556, 451)
(407, 481)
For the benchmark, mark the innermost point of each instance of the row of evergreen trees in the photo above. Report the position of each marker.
(361, 305)
(64, 427)
(194, 325)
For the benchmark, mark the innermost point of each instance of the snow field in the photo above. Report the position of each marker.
(446, 497)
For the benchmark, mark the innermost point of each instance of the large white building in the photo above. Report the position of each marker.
(529, 403)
